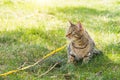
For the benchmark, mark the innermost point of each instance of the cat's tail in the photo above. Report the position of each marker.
(96, 51)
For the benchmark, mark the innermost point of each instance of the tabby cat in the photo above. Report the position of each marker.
(81, 45)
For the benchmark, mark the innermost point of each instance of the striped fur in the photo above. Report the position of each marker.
(81, 45)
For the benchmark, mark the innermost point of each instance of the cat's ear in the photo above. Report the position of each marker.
(71, 24)
(79, 25)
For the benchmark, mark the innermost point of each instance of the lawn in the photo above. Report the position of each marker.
(30, 29)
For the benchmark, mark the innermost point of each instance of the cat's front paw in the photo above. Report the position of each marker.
(86, 60)
(71, 59)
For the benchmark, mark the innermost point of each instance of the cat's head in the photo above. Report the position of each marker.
(74, 31)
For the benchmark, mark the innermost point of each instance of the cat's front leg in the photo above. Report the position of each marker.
(71, 59)
(87, 58)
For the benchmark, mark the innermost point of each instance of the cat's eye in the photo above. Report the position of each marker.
(73, 33)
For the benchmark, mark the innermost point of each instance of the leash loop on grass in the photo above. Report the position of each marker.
(44, 57)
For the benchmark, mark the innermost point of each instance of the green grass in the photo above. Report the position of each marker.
(31, 29)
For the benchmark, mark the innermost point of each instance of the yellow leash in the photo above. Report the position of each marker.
(44, 57)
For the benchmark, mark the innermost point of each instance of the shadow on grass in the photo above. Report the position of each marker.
(113, 48)
(31, 44)
(82, 11)
(86, 12)
(28, 45)
(89, 16)
(99, 67)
